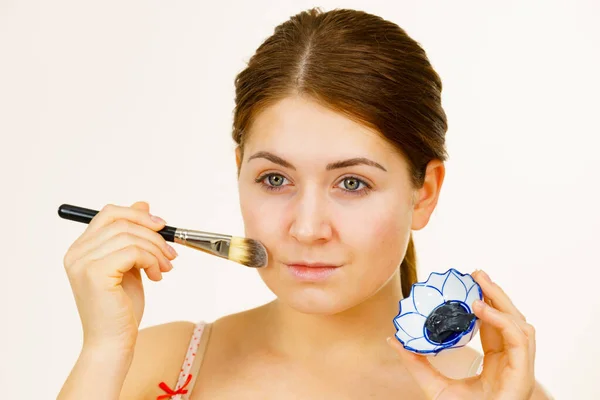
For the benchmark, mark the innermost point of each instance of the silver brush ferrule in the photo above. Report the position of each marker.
(208, 242)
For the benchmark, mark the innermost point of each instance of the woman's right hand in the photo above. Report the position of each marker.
(103, 266)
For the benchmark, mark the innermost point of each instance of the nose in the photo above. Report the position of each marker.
(310, 222)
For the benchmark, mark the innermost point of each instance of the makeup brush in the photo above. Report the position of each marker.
(248, 252)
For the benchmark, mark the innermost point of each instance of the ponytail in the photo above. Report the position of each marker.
(408, 268)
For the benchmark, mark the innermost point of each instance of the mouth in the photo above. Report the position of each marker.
(311, 272)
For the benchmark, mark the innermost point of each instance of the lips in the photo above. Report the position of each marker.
(312, 265)
(312, 272)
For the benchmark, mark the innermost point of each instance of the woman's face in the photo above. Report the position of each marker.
(318, 188)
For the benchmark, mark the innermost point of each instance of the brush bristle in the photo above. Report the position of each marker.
(248, 252)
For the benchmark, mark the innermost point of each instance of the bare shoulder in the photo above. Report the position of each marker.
(250, 321)
(159, 352)
(457, 363)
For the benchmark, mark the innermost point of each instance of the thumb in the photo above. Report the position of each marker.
(141, 205)
(431, 381)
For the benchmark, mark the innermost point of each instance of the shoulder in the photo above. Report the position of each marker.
(252, 322)
(159, 352)
(457, 363)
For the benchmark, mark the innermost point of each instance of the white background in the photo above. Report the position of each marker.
(118, 101)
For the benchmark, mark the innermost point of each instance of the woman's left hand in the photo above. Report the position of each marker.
(508, 343)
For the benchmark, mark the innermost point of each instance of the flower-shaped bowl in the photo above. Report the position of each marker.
(425, 297)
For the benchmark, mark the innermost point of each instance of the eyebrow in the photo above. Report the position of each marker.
(334, 165)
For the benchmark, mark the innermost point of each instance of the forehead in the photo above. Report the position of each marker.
(297, 127)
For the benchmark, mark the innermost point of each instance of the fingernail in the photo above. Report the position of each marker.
(170, 265)
(172, 251)
(158, 220)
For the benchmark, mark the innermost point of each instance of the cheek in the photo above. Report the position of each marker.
(262, 221)
(376, 234)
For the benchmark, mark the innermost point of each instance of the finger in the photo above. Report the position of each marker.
(491, 338)
(121, 240)
(508, 338)
(141, 205)
(116, 228)
(126, 259)
(431, 381)
(111, 213)
(529, 331)
(493, 292)
(139, 231)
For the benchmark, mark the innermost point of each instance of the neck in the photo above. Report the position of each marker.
(360, 328)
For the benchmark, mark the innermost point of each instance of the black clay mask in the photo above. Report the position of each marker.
(447, 322)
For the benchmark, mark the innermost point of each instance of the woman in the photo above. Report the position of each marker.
(341, 150)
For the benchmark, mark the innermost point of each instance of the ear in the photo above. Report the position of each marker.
(238, 158)
(426, 197)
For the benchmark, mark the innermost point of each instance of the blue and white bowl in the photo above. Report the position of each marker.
(424, 298)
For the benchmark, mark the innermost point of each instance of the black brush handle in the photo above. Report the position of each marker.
(85, 215)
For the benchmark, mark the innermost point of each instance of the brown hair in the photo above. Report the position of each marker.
(362, 66)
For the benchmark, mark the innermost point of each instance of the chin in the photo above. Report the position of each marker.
(318, 301)
(332, 295)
